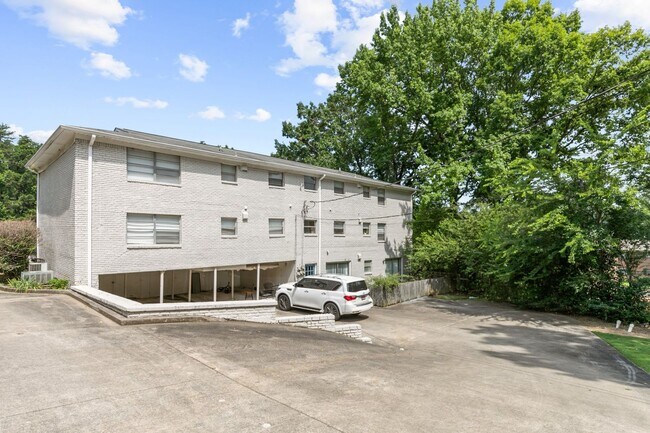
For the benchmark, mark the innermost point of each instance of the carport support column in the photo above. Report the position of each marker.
(189, 287)
(258, 282)
(214, 285)
(162, 285)
(232, 284)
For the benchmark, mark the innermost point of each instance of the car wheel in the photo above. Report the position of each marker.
(333, 309)
(284, 303)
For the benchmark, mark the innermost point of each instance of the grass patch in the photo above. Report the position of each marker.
(635, 349)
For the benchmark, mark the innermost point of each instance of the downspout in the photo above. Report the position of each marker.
(320, 224)
(90, 210)
(38, 199)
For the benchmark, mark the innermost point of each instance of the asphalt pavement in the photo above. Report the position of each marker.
(435, 366)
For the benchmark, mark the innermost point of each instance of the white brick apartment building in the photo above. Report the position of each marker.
(159, 219)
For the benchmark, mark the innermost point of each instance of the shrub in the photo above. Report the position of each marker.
(57, 284)
(23, 285)
(17, 242)
(387, 283)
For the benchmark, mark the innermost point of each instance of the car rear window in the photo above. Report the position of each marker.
(357, 286)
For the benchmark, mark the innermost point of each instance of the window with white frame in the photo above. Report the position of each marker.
(366, 229)
(381, 232)
(310, 269)
(152, 166)
(381, 197)
(393, 266)
(228, 173)
(366, 192)
(310, 183)
(276, 226)
(309, 227)
(339, 187)
(339, 228)
(228, 226)
(276, 178)
(367, 266)
(341, 268)
(148, 229)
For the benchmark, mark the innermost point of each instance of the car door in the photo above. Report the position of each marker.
(301, 293)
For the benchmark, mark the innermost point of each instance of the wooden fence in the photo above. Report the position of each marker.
(410, 290)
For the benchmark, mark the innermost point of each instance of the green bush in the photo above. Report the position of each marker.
(57, 284)
(23, 285)
(17, 242)
(387, 283)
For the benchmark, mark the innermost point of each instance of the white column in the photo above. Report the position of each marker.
(89, 212)
(189, 288)
(258, 282)
(162, 286)
(232, 284)
(38, 198)
(214, 285)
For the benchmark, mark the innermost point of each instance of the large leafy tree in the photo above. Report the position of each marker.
(526, 137)
(17, 184)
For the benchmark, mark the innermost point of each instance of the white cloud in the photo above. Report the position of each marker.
(240, 24)
(211, 112)
(326, 81)
(108, 66)
(599, 13)
(137, 103)
(79, 22)
(261, 115)
(304, 28)
(321, 35)
(38, 135)
(192, 68)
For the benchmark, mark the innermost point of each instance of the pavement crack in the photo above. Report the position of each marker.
(101, 397)
(240, 383)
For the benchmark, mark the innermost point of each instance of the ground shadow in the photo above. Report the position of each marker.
(534, 339)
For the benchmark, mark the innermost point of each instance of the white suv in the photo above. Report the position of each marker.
(334, 294)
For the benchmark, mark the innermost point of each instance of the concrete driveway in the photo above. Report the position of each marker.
(435, 366)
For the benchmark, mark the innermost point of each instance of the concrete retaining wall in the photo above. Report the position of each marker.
(326, 323)
(410, 290)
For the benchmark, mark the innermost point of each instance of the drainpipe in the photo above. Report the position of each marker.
(38, 198)
(90, 210)
(320, 223)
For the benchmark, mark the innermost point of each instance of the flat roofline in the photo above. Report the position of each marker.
(64, 136)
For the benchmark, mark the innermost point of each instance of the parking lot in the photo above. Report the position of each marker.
(444, 366)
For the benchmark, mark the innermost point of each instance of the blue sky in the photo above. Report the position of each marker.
(225, 72)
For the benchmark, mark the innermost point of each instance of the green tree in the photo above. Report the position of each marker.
(17, 184)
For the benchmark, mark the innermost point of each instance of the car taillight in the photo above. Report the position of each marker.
(349, 297)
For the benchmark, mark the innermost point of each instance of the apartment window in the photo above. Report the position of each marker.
(228, 226)
(228, 173)
(276, 226)
(366, 192)
(310, 269)
(152, 166)
(310, 227)
(147, 229)
(339, 228)
(381, 232)
(310, 183)
(341, 268)
(366, 229)
(393, 266)
(367, 266)
(339, 187)
(381, 197)
(276, 178)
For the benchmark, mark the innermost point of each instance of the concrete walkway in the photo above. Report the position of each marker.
(435, 366)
